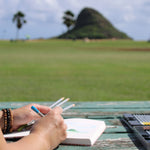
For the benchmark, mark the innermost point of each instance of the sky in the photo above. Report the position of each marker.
(44, 17)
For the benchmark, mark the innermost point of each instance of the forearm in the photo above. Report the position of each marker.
(1, 120)
(3, 143)
(31, 142)
(46, 134)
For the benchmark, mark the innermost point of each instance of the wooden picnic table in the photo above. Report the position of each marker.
(115, 137)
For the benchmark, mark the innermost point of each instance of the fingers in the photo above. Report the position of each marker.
(45, 109)
(63, 131)
(58, 110)
(52, 127)
(56, 115)
(42, 109)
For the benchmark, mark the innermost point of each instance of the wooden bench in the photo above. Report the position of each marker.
(115, 137)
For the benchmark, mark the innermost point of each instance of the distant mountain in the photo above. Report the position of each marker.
(93, 25)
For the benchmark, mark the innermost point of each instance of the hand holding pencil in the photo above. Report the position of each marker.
(47, 132)
(59, 103)
(59, 132)
(24, 115)
(40, 110)
(51, 128)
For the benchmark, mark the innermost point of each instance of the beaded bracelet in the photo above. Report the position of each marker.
(8, 120)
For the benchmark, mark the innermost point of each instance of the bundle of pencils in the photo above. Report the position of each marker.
(59, 102)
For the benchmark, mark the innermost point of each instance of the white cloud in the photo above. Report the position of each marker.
(41, 10)
(129, 17)
(126, 15)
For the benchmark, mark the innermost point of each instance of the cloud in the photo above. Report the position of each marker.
(127, 16)
(41, 10)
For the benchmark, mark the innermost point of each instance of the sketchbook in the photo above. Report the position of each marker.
(79, 132)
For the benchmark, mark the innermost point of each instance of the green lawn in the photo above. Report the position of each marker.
(95, 71)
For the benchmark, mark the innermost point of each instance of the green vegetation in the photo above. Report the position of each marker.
(93, 25)
(19, 19)
(46, 70)
(68, 19)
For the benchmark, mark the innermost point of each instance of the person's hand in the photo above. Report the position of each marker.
(25, 114)
(51, 128)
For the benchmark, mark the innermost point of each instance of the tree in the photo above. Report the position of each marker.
(19, 19)
(68, 19)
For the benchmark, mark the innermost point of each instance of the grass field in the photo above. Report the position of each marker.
(46, 70)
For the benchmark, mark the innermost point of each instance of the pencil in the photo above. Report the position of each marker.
(37, 111)
(68, 107)
(57, 102)
(67, 99)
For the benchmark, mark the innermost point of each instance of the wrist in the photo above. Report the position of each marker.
(15, 123)
(1, 120)
(6, 120)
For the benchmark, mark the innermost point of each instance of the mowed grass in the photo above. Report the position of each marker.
(46, 70)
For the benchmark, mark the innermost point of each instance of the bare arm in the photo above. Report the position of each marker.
(46, 134)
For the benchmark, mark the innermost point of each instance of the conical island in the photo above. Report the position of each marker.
(93, 25)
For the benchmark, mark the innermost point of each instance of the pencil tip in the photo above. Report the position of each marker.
(68, 99)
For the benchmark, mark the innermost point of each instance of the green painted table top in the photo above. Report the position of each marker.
(115, 137)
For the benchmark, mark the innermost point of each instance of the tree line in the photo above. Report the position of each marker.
(19, 20)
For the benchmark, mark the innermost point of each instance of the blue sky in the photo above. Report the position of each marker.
(44, 17)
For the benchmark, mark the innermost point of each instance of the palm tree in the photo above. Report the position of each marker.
(19, 19)
(68, 18)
